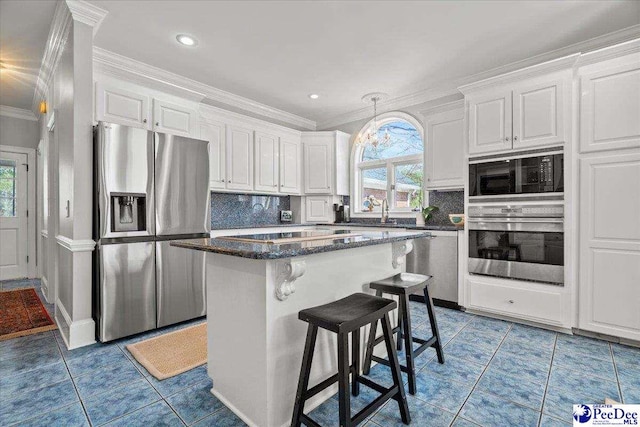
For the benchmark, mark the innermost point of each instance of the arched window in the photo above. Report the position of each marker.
(393, 172)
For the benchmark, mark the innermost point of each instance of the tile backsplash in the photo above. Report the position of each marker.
(229, 210)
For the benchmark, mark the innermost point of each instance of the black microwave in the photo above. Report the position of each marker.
(525, 175)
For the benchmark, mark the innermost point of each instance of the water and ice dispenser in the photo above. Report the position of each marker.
(129, 212)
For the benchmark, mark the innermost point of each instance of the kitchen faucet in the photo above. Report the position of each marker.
(385, 212)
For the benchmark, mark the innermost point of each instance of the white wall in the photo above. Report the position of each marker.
(19, 132)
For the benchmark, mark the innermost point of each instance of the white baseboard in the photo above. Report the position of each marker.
(45, 290)
(75, 334)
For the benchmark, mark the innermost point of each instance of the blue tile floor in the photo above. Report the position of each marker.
(496, 374)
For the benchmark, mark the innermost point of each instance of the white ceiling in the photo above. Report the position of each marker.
(277, 52)
(24, 28)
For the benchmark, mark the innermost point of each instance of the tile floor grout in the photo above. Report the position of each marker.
(546, 386)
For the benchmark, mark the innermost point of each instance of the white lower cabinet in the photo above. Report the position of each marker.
(318, 209)
(528, 301)
(609, 294)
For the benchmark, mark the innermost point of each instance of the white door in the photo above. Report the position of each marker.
(266, 163)
(445, 150)
(123, 107)
(490, 122)
(538, 114)
(239, 158)
(317, 167)
(610, 245)
(172, 118)
(215, 134)
(13, 215)
(318, 209)
(290, 166)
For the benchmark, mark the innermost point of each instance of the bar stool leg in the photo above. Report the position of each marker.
(373, 328)
(434, 324)
(355, 361)
(400, 397)
(399, 340)
(408, 338)
(344, 399)
(303, 382)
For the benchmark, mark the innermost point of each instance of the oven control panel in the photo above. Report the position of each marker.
(528, 211)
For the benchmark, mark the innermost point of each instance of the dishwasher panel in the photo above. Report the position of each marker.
(437, 257)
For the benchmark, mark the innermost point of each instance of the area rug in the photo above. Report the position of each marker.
(173, 353)
(22, 313)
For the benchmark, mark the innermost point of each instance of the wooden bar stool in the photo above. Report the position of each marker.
(342, 317)
(403, 285)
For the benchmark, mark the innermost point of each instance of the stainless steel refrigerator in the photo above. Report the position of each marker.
(150, 188)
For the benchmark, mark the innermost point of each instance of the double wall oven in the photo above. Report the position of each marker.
(516, 217)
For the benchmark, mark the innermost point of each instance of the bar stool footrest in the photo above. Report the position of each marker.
(371, 407)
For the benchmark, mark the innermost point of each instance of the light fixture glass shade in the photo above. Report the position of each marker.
(370, 136)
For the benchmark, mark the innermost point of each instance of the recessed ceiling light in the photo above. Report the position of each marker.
(186, 40)
(314, 96)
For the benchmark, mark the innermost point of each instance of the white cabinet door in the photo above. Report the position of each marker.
(318, 209)
(490, 122)
(318, 166)
(215, 134)
(239, 158)
(610, 245)
(290, 162)
(174, 119)
(266, 162)
(445, 150)
(123, 107)
(610, 108)
(538, 114)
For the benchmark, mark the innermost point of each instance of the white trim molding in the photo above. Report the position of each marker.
(86, 13)
(75, 245)
(128, 69)
(17, 113)
(450, 87)
(74, 334)
(442, 108)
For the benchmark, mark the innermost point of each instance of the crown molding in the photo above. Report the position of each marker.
(138, 72)
(17, 113)
(627, 48)
(450, 87)
(441, 108)
(86, 13)
(210, 113)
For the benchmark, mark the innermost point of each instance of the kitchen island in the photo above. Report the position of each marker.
(257, 284)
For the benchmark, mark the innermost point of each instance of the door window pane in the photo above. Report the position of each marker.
(374, 189)
(7, 188)
(408, 186)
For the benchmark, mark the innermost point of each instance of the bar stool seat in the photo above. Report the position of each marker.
(346, 316)
(403, 285)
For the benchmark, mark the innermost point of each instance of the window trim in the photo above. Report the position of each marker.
(357, 165)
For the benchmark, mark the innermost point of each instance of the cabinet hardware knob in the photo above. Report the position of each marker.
(157, 123)
(515, 138)
(222, 180)
(275, 185)
(511, 301)
(144, 121)
(506, 139)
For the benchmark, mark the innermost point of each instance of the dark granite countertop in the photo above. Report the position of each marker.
(288, 250)
(349, 224)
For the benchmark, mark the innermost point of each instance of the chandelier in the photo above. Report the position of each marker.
(370, 136)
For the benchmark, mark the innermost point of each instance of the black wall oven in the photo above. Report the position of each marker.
(517, 176)
(517, 242)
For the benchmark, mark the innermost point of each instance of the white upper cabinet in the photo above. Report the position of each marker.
(239, 158)
(174, 119)
(609, 297)
(214, 132)
(490, 121)
(445, 149)
(326, 162)
(290, 165)
(610, 106)
(538, 114)
(266, 162)
(120, 106)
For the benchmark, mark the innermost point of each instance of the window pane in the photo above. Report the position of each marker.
(7, 188)
(7, 207)
(408, 186)
(405, 141)
(7, 169)
(374, 189)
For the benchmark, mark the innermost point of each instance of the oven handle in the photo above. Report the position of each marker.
(550, 225)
